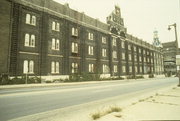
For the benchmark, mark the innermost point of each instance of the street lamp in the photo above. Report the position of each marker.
(175, 30)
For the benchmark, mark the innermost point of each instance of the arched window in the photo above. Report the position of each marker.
(33, 22)
(73, 31)
(26, 43)
(53, 25)
(52, 67)
(57, 67)
(25, 67)
(28, 19)
(31, 66)
(53, 44)
(57, 44)
(57, 26)
(32, 42)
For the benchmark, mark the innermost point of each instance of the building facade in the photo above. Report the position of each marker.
(45, 38)
(170, 50)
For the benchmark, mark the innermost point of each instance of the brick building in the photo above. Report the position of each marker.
(45, 38)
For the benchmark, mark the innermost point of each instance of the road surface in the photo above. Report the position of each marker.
(15, 103)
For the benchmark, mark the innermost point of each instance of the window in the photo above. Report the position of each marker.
(135, 57)
(140, 58)
(122, 44)
(104, 53)
(147, 59)
(123, 56)
(55, 26)
(129, 47)
(130, 57)
(90, 36)
(33, 22)
(114, 41)
(55, 44)
(91, 68)
(31, 66)
(74, 68)
(29, 40)
(104, 40)
(139, 50)
(147, 52)
(74, 31)
(144, 59)
(90, 50)
(123, 69)
(114, 54)
(136, 70)
(134, 48)
(54, 67)
(57, 67)
(130, 68)
(28, 66)
(32, 42)
(25, 67)
(26, 43)
(140, 69)
(144, 52)
(30, 19)
(74, 47)
(115, 68)
(151, 53)
(105, 68)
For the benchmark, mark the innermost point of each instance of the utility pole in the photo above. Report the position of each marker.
(176, 40)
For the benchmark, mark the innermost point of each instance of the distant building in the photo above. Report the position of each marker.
(45, 38)
(170, 50)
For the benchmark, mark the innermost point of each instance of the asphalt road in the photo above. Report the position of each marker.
(15, 103)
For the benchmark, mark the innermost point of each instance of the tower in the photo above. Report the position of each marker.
(156, 41)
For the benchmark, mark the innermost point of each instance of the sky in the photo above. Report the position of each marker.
(141, 17)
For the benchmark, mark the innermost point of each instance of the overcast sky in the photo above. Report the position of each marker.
(141, 17)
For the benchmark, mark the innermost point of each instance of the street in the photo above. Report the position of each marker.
(16, 103)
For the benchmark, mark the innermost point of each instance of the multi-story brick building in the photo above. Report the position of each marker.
(42, 38)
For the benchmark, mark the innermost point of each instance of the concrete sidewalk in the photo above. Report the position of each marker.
(162, 106)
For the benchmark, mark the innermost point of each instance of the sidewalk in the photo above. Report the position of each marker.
(162, 106)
